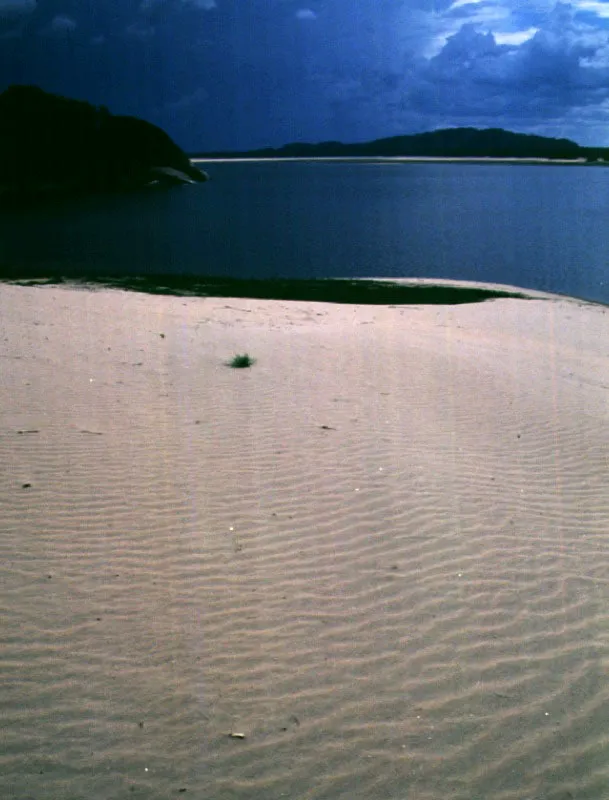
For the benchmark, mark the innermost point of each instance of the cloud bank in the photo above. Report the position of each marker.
(225, 74)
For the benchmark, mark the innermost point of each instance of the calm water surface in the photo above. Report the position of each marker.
(537, 227)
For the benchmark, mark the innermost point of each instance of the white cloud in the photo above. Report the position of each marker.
(489, 14)
(516, 37)
(461, 3)
(593, 6)
(306, 13)
(479, 11)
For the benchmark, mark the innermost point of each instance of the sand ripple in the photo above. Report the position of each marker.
(380, 554)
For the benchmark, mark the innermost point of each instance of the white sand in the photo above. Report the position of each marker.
(380, 553)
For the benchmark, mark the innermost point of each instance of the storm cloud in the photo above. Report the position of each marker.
(224, 74)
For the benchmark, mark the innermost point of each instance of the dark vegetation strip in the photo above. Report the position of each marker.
(325, 290)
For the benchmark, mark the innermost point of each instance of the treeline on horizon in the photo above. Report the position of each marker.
(445, 143)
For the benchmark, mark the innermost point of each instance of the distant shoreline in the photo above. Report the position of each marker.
(579, 162)
(451, 145)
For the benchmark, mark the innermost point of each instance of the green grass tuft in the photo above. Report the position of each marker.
(241, 362)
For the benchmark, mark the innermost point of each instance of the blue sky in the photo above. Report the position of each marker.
(238, 74)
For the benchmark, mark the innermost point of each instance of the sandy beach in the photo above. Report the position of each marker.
(372, 566)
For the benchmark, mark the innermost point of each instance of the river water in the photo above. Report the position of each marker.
(538, 227)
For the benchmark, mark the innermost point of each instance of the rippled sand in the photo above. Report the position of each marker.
(381, 554)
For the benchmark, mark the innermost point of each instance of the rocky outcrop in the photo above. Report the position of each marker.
(53, 147)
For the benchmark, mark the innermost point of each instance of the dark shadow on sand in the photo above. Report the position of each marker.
(326, 290)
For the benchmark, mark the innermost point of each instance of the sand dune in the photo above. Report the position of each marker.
(380, 554)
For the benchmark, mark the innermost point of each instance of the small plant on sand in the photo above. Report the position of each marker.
(241, 362)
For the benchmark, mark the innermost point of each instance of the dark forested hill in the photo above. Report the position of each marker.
(53, 146)
(447, 143)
